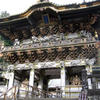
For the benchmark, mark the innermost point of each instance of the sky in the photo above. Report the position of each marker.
(18, 6)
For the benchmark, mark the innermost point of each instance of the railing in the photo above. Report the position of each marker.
(50, 44)
(17, 92)
(83, 95)
(36, 92)
(11, 93)
(72, 91)
(91, 93)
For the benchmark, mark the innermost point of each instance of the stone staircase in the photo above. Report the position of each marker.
(43, 99)
(48, 99)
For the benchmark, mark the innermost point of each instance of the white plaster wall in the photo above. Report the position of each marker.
(54, 83)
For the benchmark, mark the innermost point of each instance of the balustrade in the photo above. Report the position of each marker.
(66, 42)
(73, 91)
(17, 92)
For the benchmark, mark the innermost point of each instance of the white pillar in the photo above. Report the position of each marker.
(89, 83)
(11, 80)
(40, 84)
(63, 78)
(89, 79)
(31, 79)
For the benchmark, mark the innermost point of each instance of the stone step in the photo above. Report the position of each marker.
(43, 99)
(49, 99)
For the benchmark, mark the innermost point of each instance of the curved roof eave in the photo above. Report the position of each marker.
(53, 7)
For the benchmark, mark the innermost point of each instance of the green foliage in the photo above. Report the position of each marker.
(6, 41)
(4, 14)
(1, 60)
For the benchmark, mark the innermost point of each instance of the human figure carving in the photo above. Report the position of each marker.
(76, 80)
